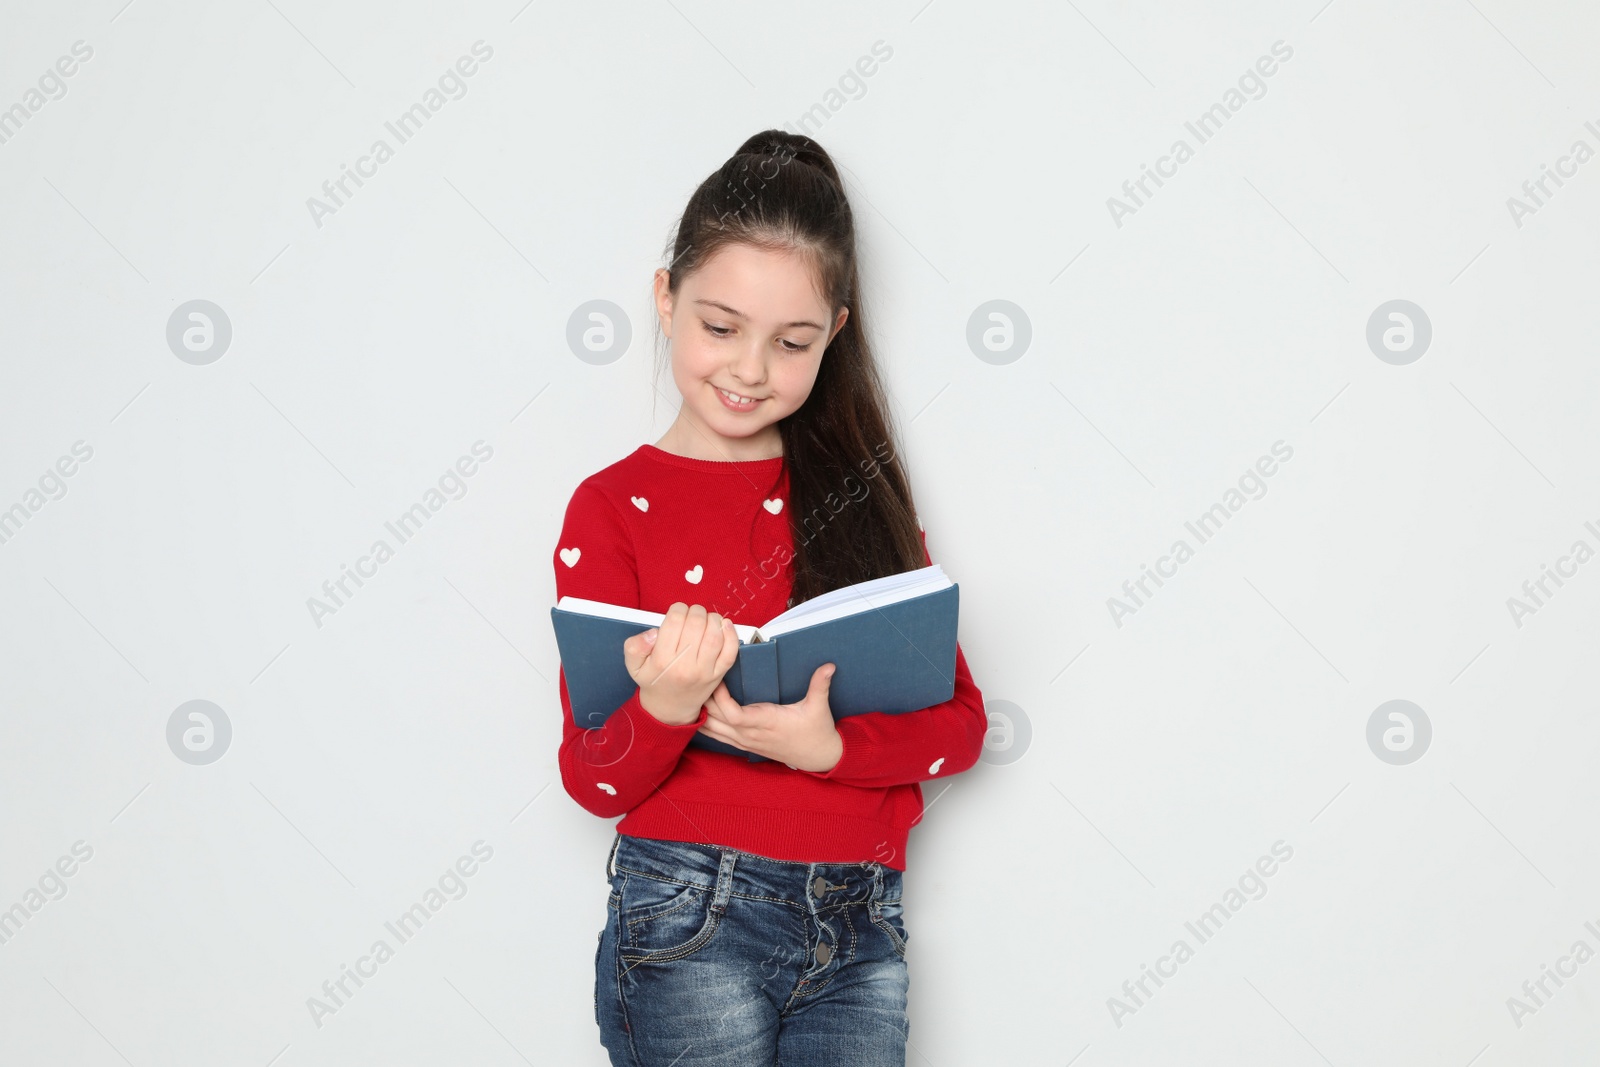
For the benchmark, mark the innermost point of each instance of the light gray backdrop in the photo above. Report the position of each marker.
(1343, 352)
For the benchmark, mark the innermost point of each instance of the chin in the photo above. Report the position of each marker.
(735, 428)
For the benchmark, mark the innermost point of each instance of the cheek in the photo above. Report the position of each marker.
(798, 378)
(691, 361)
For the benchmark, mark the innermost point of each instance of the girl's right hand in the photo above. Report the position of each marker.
(679, 664)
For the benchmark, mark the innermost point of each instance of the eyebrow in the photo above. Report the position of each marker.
(740, 315)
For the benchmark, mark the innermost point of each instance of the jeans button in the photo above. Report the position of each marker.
(824, 954)
(819, 886)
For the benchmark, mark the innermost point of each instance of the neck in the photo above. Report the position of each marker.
(685, 437)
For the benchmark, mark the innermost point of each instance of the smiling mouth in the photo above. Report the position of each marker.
(737, 402)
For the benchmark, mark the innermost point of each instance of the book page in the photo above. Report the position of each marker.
(602, 610)
(854, 599)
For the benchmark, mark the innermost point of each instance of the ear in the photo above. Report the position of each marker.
(838, 324)
(663, 297)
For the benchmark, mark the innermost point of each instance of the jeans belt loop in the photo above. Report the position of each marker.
(724, 886)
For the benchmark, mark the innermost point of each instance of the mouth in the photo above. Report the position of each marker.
(735, 402)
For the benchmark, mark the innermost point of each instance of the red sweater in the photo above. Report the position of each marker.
(654, 528)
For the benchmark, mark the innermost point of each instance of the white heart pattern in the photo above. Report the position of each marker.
(640, 502)
(569, 556)
(933, 768)
(607, 787)
(695, 575)
(775, 505)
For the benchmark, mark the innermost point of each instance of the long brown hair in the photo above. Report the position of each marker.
(780, 191)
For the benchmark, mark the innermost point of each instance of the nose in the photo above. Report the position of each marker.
(750, 364)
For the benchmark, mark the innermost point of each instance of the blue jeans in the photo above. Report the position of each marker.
(715, 957)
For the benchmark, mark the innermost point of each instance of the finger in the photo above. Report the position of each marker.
(636, 649)
(821, 683)
(665, 650)
(728, 654)
(672, 629)
(716, 639)
(694, 628)
(730, 710)
(720, 732)
(721, 703)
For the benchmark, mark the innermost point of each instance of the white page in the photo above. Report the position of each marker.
(835, 604)
(602, 610)
(856, 599)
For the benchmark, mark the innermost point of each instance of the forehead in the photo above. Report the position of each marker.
(766, 286)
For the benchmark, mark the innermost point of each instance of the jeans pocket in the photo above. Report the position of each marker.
(661, 921)
(889, 916)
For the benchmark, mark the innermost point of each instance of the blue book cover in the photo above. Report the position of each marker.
(891, 657)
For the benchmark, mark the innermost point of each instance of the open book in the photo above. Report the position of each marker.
(892, 641)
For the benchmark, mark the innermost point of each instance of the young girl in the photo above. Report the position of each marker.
(755, 911)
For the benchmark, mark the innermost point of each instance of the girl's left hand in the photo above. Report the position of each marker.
(801, 735)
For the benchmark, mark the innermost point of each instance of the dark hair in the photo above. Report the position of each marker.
(780, 191)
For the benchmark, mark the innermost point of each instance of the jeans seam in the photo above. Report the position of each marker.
(665, 878)
(622, 1001)
(651, 918)
(734, 893)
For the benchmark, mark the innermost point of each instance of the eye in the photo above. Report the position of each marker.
(723, 331)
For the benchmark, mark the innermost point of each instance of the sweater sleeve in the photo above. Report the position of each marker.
(609, 769)
(885, 750)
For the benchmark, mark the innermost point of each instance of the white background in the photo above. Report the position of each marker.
(1168, 354)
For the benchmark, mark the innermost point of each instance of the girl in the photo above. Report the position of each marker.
(755, 911)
